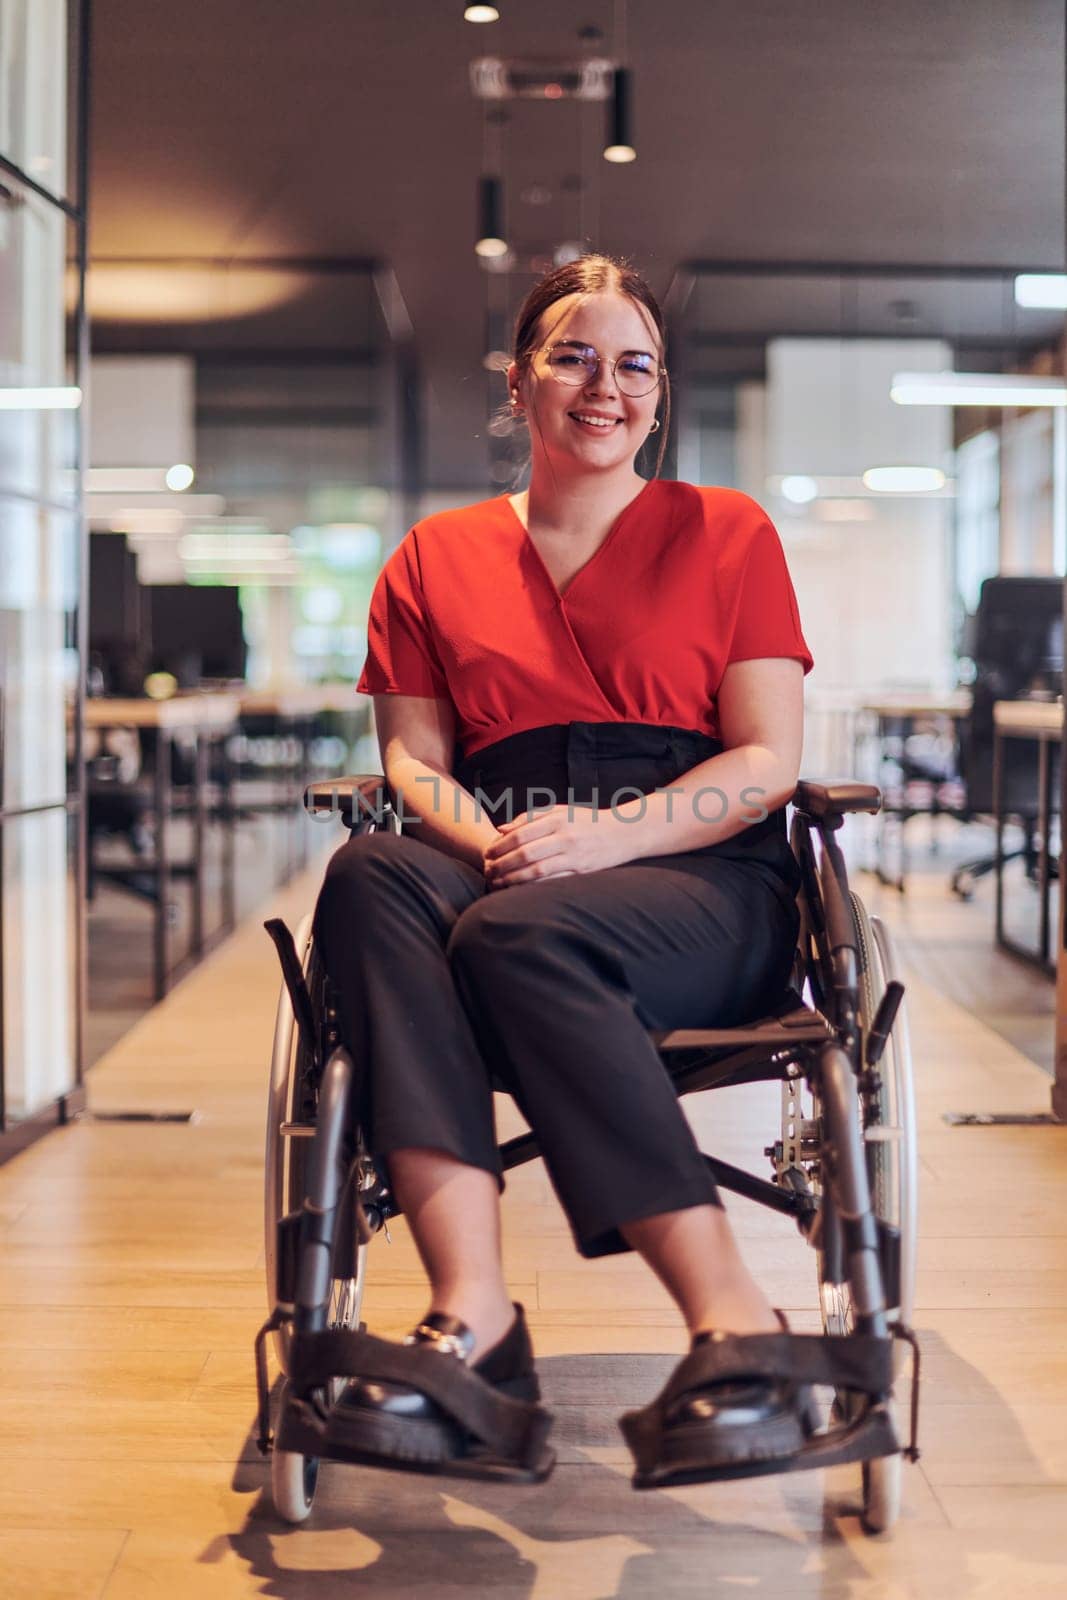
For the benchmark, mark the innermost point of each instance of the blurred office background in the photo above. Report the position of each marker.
(255, 294)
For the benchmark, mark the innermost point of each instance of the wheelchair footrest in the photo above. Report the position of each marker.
(483, 1433)
(863, 1439)
(303, 1429)
(856, 1363)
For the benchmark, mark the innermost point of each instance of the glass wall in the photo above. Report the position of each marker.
(42, 339)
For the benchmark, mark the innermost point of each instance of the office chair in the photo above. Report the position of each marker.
(1017, 633)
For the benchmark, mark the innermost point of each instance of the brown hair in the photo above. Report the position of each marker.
(592, 274)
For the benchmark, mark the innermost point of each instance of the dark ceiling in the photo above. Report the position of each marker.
(926, 132)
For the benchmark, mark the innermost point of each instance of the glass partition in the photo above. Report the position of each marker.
(42, 337)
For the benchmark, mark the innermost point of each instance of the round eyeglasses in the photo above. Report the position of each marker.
(635, 372)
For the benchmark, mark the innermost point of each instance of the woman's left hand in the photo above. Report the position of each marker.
(560, 840)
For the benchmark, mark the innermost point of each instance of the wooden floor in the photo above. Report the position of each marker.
(132, 1277)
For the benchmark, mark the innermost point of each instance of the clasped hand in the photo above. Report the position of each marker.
(557, 841)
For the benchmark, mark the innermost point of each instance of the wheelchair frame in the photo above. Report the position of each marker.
(826, 1167)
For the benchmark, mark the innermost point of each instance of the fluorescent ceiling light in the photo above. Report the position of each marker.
(976, 389)
(237, 570)
(229, 528)
(139, 480)
(65, 399)
(1041, 291)
(150, 520)
(104, 507)
(829, 487)
(231, 547)
(904, 480)
(481, 14)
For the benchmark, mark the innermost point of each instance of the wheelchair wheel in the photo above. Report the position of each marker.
(292, 1104)
(889, 1125)
(293, 1479)
(890, 1142)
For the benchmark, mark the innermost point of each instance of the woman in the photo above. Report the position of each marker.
(589, 703)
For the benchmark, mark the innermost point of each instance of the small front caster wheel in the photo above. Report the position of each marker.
(293, 1477)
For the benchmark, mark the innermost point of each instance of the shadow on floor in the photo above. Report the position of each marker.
(585, 1533)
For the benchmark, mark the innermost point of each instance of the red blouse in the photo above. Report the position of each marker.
(687, 580)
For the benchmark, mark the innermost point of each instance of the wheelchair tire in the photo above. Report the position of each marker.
(287, 1157)
(293, 1479)
(891, 1144)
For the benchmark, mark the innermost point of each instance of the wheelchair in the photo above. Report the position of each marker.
(843, 1166)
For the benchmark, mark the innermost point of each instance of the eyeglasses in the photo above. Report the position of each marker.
(635, 373)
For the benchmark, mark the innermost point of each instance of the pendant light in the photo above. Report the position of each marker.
(490, 241)
(619, 143)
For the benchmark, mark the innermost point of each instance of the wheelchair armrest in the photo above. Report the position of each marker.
(821, 800)
(357, 800)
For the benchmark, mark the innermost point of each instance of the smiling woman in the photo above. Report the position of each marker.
(615, 665)
(586, 300)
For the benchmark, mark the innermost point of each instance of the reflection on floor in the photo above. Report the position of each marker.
(132, 1277)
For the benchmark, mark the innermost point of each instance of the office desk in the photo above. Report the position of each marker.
(208, 717)
(896, 716)
(1041, 721)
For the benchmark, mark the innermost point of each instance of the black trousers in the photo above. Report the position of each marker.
(549, 988)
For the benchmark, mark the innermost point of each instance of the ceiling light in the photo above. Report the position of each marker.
(501, 263)
(127, 480)
(490, 241)
(799, 488)
(231, 547)
(149, 521)
(976, 389)
(481, 14)
(1041, 291)
(67, 399)
(179, 477)
(904, 480)
(534, 78)
(104, 507)
(570, 250)
(619, 146)
(827, 488)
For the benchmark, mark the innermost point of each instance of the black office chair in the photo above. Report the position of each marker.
(1017, 651)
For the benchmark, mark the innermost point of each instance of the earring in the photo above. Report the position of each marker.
(655, 426)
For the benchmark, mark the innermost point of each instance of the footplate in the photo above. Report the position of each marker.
(870, 1435)
(858, 1363)
(496, 1437)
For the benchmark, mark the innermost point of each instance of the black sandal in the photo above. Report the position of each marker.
(419, 1406)
(729, 1410)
